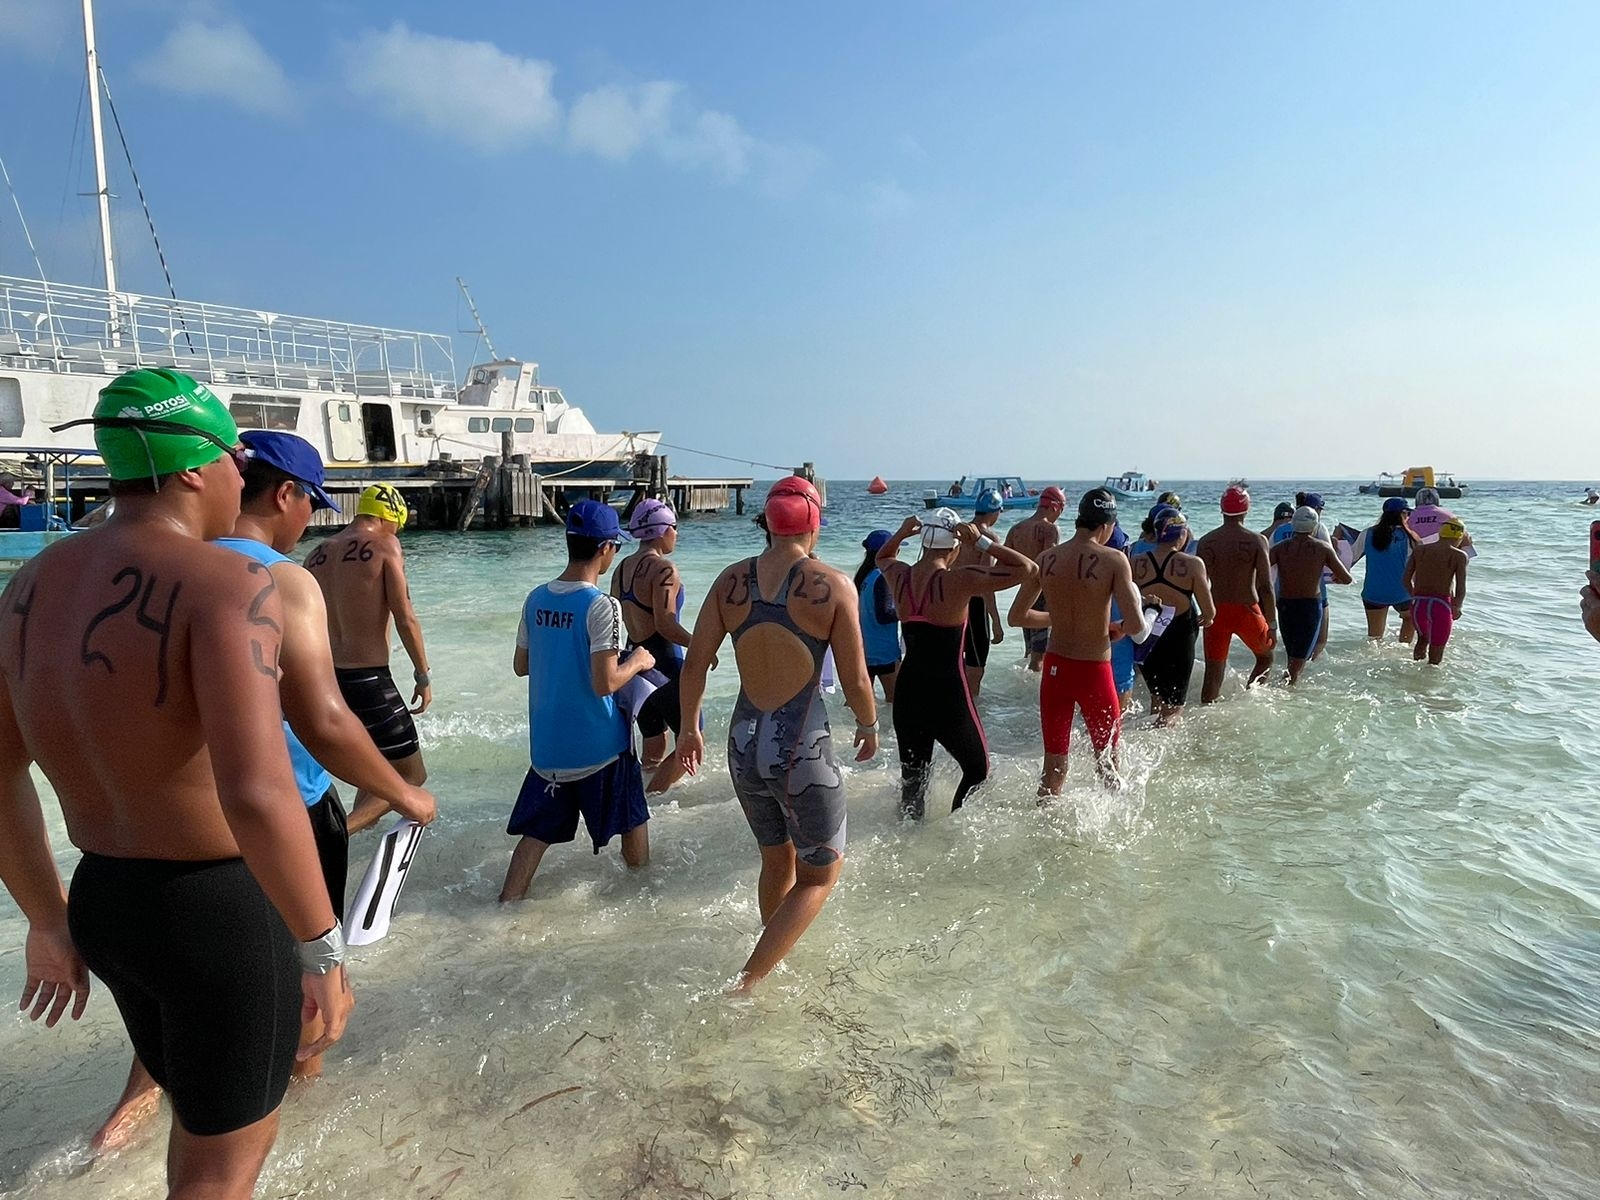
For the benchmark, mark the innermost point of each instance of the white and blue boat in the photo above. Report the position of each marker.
(964, 492)
(1130, 485)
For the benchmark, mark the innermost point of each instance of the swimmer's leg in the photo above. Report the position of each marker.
(1259, 671)
(368, 810)
(140, 1100)
(966, 745)
(1296, 665)
(524, 862)
(636, 846)
(887, 679)
(916, 765)
(1377, 619)
(1408, 627)
(218, 1167)
(791, 918)
(1435, 653)
(777, 878)
(1211, 685)
(1322, 636)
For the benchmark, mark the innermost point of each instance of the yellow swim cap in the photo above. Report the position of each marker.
(1452, 531)
(381, 500)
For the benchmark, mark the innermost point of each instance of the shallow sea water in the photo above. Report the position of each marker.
(1339, 942)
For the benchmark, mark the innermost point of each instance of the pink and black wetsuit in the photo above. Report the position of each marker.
(932, 703)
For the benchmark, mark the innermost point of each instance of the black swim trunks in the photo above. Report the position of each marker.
(1037, 641)
(203, 970)
(975, 642)
(372, 696)
(333, 845)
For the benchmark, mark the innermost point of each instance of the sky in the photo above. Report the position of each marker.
(918, 240)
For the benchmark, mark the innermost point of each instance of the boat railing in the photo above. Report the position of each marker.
(72, 329)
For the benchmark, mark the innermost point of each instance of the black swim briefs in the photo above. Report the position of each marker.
(203, 970)
(333, 845)
(372, 696)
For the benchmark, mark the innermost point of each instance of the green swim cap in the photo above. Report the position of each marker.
(152, 422)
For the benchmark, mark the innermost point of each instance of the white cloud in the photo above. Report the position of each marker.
(473, 91)
(202, 58)
(615, 121)
(34, 26)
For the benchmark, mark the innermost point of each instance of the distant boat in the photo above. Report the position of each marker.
(1412, 481)
(877, 487)
(1130, 485)
(964, 493)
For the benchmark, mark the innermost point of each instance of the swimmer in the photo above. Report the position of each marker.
(1429, 515)
(1387, 548)
(1241, 583)
(282, 488)
(651, 592)
(1314, 501)
(880, 624)
(1592, 496)
(1081, 578)
(780, 748)
(1301, 560)
(983, 614)
(933, 597)
(1436, 577)
(1031, 537)
(580, 750)
(139, 668)
(1124, 653)
(1175, 580)
(1282, 515)
(362, 573)
(1589, 604)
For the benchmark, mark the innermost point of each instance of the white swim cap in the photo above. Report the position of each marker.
(939, 529)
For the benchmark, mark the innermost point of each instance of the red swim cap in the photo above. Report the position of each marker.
(1052, 497)
(1235, 502)
(793, 507)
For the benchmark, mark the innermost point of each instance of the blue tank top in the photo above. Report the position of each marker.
(1385, 570)
(569, 727)
(882, 638)
(309, 775)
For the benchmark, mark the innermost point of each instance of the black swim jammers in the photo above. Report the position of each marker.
(372, 696)
(204, 973)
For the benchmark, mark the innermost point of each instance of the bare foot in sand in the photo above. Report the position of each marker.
(140, 1100)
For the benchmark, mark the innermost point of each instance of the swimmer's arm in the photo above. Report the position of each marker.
(1264, 593)
(316, 709)
(406, 624)
(234, 643)
(709, 630)
(889, 552)
(664, 608)
(1010, 568)
(1202, 593)
(1022, 614)
(1461, 582)
(1409, 576)
(883, 601)
(1341, 573)
(1129, 603)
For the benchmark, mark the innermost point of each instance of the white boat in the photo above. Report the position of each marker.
(376, 402)
(1130, 485)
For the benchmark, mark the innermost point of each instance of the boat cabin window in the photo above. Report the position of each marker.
(479, 375)
(11, 419)
(501, 425)
(264, 412)
(424, 416)
(524, 425)
(377, 423)
(477, 424)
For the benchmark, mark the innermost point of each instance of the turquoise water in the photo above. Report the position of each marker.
(1340, 942)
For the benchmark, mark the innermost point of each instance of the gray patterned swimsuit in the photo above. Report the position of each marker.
(784, 772)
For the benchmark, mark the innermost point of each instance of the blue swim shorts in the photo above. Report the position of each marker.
(611, 801)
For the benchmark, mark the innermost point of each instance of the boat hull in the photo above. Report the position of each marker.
(1390, 491)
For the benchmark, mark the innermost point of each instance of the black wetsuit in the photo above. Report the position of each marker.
(660, 711)
(1170, 664)
(932, 704)
(975, 645)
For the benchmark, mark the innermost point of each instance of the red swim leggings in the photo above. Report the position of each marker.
(1070, 682)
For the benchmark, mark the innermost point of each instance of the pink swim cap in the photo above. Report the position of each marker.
(793, 507)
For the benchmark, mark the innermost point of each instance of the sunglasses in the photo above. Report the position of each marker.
(240, 455)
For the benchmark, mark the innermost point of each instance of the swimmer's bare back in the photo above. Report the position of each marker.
(124, 651)
(1078, 580)
(774, 665)
(361, 571)
(1236, 562)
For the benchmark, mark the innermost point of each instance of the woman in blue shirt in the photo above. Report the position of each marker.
(1386, 546)
(880, 624)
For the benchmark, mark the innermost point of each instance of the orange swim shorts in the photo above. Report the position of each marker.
(1243, 621)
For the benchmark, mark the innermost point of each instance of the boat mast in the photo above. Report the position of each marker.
(102, 189)
(473, 308)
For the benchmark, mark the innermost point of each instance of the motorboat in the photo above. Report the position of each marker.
(1130, 485)
(964, 493)
(1411, 481)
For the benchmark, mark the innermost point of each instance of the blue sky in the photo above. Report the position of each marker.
(911, 239)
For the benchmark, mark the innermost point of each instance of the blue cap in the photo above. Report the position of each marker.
(1314, 500)
(876, 540)
(1160, 513)
(1118, 539)
(1396, 504)
(988, 501)
(294, 456)
(591, 519)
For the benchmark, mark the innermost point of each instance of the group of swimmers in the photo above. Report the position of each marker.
(190, 692)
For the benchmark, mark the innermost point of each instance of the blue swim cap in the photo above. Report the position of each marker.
(1118, 539)
(1159, 514)
(875, 540)
(988, 501)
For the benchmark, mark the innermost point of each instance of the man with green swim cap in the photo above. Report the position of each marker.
(139, 670)
(362, 572)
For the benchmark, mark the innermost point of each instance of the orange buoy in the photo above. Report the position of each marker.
(877, 487)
